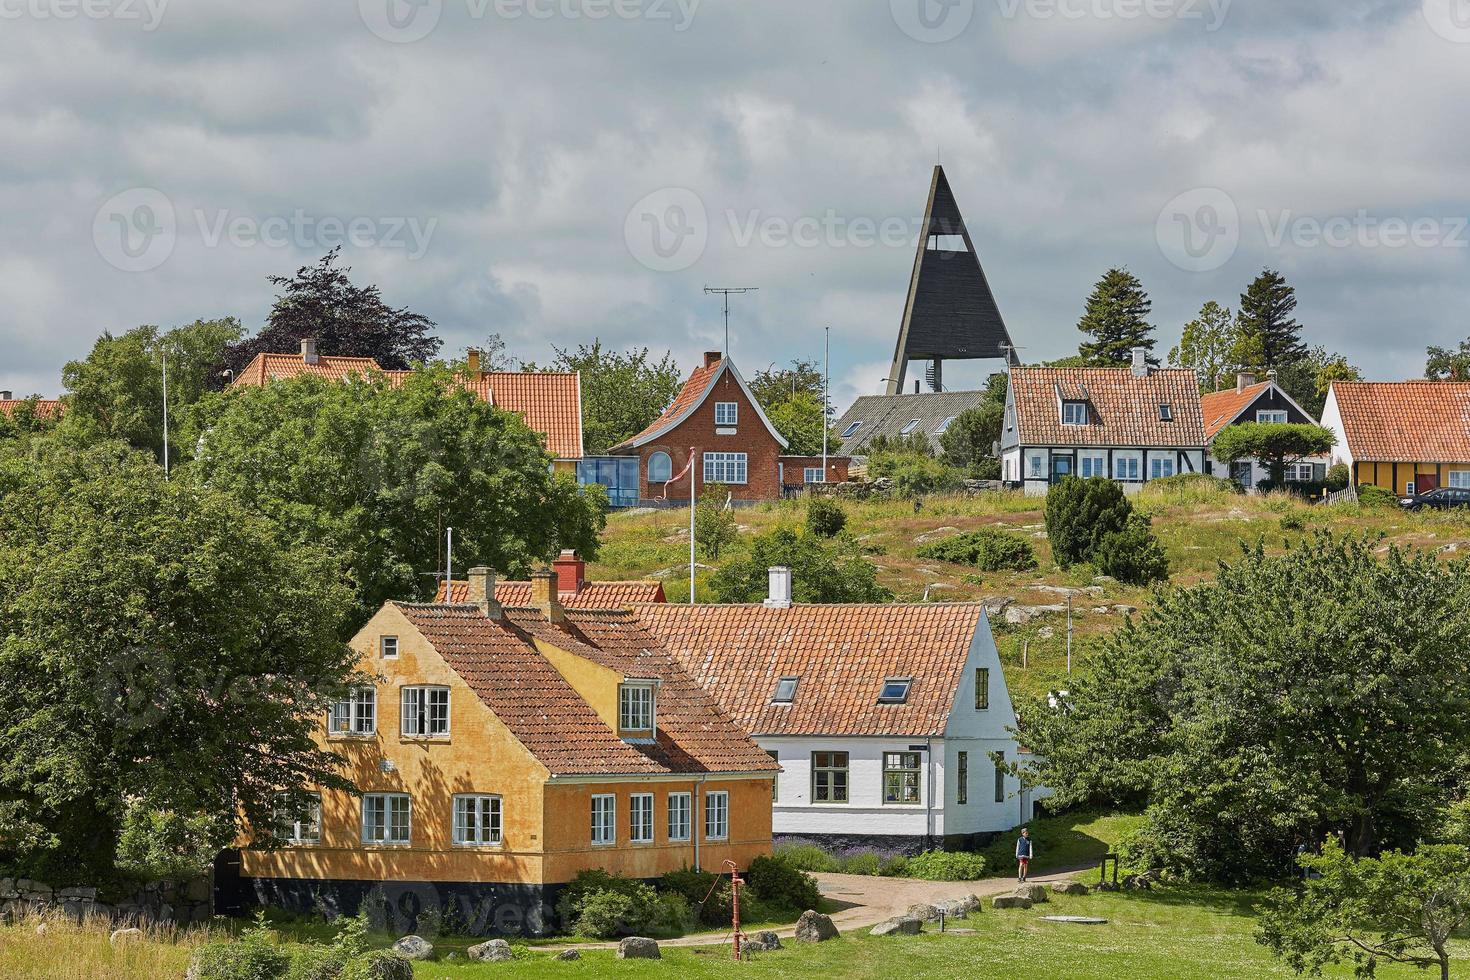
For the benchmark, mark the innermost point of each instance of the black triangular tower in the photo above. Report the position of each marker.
(950, 313)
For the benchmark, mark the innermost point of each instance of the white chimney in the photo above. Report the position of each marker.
(1244, 379)
(308, 350)
(780, 587)
(5, 396)
(1140, 362)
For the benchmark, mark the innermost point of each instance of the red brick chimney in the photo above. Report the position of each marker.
(571, 573)
(544, 597)
(712, 357)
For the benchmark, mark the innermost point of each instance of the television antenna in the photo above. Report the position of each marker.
(727, 292)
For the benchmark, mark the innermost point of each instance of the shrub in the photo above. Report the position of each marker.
(778, 883)
(618, 906)
(913, 475)
(1080, 513)
(380, 964)
(160, 844)
(255, 956)
(1372, 496)
(1132, 555)
(947, 866)
(1293, 522)
(806, 857)
(706, 895)
(825, 518)
(316, 962)
(895, 866)
(1337, 477)
(861, 863)
(989, 549)
(714, 526)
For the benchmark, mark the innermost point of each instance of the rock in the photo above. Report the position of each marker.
(764, 941)
(1076, 920)
(924, 913)
(41, 929)
(1017, 615)
(568, 955)
(902, 926)
(1124, 610)
(199, 890)
(89, 894)
(1107, 886)
(958, 908)
(995, 605)
(1010, 902)
(495, 951)
(414, 948)
(1036, 893)
(1069, 888)
(1137, 883)
(1046, 633)
(124, 935)
(938, 532)
(814, 927)
(1064, 590)
(638, 948)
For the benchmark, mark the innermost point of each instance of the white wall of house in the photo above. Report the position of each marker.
(1033, 465)
(1332, 419)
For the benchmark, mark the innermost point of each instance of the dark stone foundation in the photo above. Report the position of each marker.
(469, 908)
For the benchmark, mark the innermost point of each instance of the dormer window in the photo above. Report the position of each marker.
(1074, 413)
(1166, 414)
(895, 690)
(847, 432)
(785, 690)
(636, 710)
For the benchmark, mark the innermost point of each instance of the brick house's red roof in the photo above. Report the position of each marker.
(1405, 421)
(45, 407)
(594, 595)
(694, 392)
(1220, 408)
(499, 661)
(841, 653)
(1123, 408)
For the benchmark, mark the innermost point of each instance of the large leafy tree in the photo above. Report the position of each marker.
(161, 646)
(774, 385)
(792, 398)
(1209, 346)
(116, 391)
(347, 321)
(1320, 691)
(1116, 318)
(1448, 364)
(376, 473)
(1266, 323)
(819, 572)
(622, 391)
(1276, 445)
(969, 442)
(25, 419)
(1307, 379)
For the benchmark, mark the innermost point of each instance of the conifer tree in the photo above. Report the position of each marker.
(1266, 323)
(1116, 319)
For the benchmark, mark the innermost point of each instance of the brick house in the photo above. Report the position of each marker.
(716, 415)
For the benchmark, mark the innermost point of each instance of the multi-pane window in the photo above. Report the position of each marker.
(775, 783)
(640, 818)
(829, 777)
(388, 647)
(716, 815)
(1074, 413)
(1036, 465)
(1000, 777)
(604, 819)
(901, 777)
(425, 711)
(385, 818)
(1277, 416)
(962, 778)
(679, 806)
(477, 820)
(724, 467)
(356, 714)
(1160, 466)
(1092, 464)
(1125, 468)
(300, 824)
(982, 688)
(814, 474)
(1460, 478)
(635, 708)
(727, 413)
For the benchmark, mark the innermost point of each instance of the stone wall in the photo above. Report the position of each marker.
(161, 902)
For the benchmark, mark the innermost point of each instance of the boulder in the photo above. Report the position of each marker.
(1069, 888)
(495, 951)
(905, 925)
(924, 913)
(764, 941)
(814, 927)
(1037, 893)
(958, 908)
(1137, 882)
(638, 948)
(1010, 902)
(568, 955)
(414, 948)
(124, 935)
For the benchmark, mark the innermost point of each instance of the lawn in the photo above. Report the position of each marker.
(1069, 841)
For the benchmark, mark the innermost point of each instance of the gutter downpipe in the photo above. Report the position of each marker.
(929, 797)
(694, 822)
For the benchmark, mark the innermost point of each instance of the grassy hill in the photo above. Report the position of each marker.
(1198, 525)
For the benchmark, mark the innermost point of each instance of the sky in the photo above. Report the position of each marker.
(559, 171)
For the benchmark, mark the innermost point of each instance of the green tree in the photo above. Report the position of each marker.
(622, 392)
(801, 420)
(969, 442)
(1306, 380)
(376, 473)
(774, 385)
(1277, 445)
(1320, 691)
(1079, 513)
(25, 419)
(1116, 318)
(1266, 321)
(1209, 346)
(1448, 364)
(819, 572)
(1399, 908)
(714, 524)
(162, 646)
(116, 391)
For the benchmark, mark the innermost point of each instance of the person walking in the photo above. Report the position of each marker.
(1023, 855)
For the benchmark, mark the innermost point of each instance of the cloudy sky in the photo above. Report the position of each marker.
(563, 170)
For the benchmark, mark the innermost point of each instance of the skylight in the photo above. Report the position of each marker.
(913, 424)
(785, 690)
(851, 429)
(1166, 414)
(895, 690)
(943, 426)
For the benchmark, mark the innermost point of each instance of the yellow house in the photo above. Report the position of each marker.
(503, 750)
(1404, 436)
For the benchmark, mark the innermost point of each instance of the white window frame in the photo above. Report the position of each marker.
(851, 430)
(637, 703)
(1035, 466)
(727, 414)
(680, 812)
(731, 469)
(479, 820)
(640, 818)
(1092, 463)
(1070, 415)
(1273, 416)
(302, 828)
(604, 820)
(1459, 479)
(381, 813)
(910, 427)
(1126, 469)
(717, 814)
(1157, 465)
(1297, 473)
(423, 711)
(355, 716)
(813, 474)
(388, 647)
(649, 467)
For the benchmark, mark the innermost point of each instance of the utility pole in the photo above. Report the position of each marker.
(449, 569)
(727, 292)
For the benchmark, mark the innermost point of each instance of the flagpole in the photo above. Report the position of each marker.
(165, 414)
(826, 398)
(691, 524)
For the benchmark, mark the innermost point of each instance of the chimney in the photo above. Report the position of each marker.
(779, 577)
(308, 350)
(1140, 362)
(571, 573)
(5, 396)
(712, 357)
(474, 360)
(544, 597)
(1244, 379)
(482, 591)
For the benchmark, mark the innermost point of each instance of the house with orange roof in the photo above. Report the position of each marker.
(1405, 436)
(573, 588)
(1256, 401)
(1129, 424)
(549, 402)
(892, 723)
(45, 408)
(499, 751)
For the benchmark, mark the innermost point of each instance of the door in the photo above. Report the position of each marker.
(1061, 468)
(1240, 472)
(1424, 482)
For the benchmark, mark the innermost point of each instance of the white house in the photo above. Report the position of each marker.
(1129, 424)
(888, 720)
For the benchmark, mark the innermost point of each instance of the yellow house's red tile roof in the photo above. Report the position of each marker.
(694, 389)
(1221, 407)
(499, 661)
(45, 407)
(1405, 421)
(274, 367)
(594, 595)
(1123, 408)
(841, 653)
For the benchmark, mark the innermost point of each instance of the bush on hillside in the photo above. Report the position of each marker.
(989, 549)
(1133, 555)
(254, 956)
(947, 866)
(599, 904)
(914, 475)
(1372, 496)
(825, 517)
(778, 884)
(1080, 513)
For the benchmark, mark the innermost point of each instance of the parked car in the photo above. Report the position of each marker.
(1440, 498)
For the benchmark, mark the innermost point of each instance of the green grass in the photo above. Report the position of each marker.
(1068, 841)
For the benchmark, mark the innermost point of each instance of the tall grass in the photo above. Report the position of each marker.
(70, 950)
